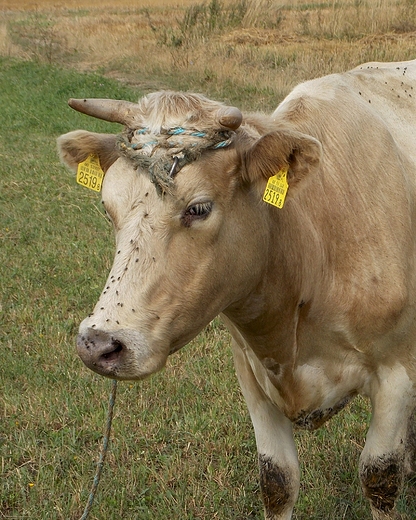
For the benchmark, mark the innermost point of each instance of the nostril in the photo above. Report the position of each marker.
(113, 354)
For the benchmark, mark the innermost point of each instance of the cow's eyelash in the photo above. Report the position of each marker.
(196, 211)
(199, 210)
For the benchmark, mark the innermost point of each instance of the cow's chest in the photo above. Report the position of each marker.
(311, 393)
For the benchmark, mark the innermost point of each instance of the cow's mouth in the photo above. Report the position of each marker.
(100, 351)
(120, 354)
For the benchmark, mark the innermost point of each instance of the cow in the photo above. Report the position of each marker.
(299, 229)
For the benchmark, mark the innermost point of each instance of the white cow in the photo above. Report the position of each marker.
(318, 289)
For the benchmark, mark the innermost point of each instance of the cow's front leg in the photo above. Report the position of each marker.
(383, 462)
(278, 461)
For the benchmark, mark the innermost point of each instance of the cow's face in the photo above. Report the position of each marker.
(180, 260)
(182, 256)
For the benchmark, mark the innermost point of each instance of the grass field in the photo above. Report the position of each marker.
(249, 52)
(182, 444)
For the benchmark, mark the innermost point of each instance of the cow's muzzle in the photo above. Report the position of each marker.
(123, 354)
(101, 351)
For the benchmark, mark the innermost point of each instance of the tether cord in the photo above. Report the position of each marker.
(103, 453)
(156, 152)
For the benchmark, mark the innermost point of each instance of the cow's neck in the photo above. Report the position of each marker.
(268, 316)
(282, 321)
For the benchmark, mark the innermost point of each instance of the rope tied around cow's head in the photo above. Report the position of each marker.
(163, 154)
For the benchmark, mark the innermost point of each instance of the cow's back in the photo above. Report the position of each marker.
(390, 88)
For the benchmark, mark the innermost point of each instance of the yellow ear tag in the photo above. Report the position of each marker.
(276, 189)
(89, 173)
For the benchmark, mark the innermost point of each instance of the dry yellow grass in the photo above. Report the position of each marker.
(32, 5)
(275, 45)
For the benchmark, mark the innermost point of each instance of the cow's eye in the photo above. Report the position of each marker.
(202, 209)
(199, 211)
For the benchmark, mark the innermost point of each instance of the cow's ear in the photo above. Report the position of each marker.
(75, 147)
(299, 153)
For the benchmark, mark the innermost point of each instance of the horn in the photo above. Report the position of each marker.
(230, 117)
(111, 110)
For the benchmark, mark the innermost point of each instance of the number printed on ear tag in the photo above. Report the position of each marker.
(90, 174)
(276, 189)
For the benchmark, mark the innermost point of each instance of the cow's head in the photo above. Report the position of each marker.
(182, 187)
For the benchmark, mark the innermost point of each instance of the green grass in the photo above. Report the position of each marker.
(182, 443)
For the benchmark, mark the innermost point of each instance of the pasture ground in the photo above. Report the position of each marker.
(247, 52)
(182, 444)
